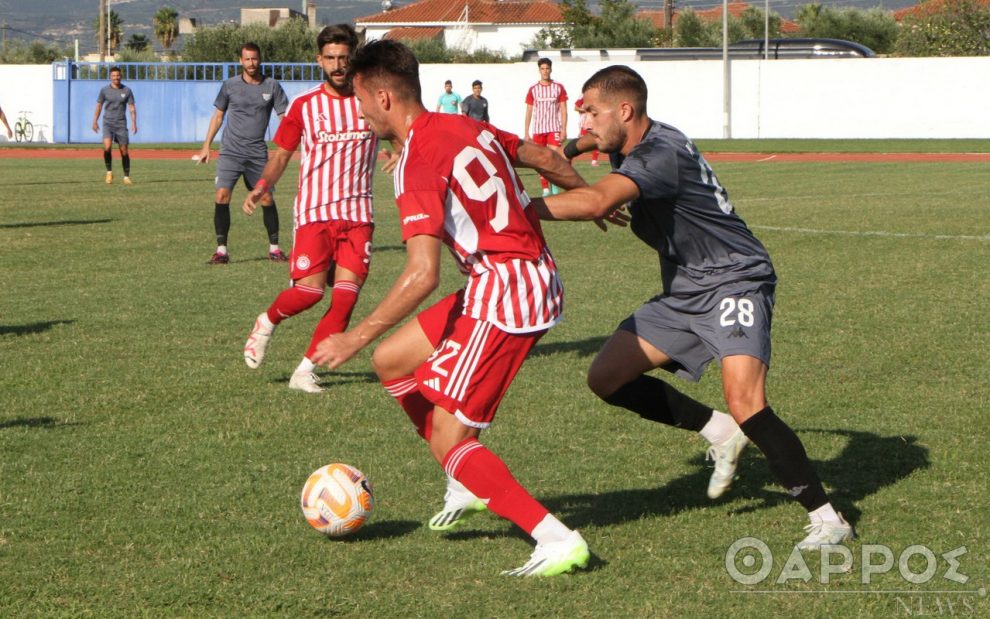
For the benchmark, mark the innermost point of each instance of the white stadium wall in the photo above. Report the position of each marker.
(840, 98)
(28, 87)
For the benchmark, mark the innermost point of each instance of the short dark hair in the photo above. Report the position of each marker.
(475, 83)
(250, 47)
(544, 61)
(620, 79)
(448, 83)
(390, 62)
(338, 33)
(114, 70)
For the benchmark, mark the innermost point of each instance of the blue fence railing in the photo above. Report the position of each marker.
(174, 100)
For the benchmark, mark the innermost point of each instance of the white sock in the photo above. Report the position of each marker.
(457, 494)
(720, 428)
(550, 530)
(222, 250)
(272, 248)
(305, 366)
(266, 321)
(825, 513)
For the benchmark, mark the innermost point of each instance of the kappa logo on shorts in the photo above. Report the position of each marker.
(302, 262)
(738, 332)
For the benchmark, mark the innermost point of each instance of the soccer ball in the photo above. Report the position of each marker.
(337, 499)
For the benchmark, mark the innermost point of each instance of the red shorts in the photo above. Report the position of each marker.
(321, 244)
(547, 139)
(473, 363)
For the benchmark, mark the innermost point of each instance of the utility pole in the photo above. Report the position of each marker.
(99, 35)
(668, 14)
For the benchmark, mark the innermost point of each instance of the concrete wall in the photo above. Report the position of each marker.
(841, 98)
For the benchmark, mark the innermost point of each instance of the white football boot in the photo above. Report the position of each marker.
(726, 457)
(257, 342)
(305, 381)
(826, 534)
(555, 558)
(459, 504)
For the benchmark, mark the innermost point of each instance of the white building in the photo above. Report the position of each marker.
(506, 26)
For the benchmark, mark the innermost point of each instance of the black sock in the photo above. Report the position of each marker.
(787, 458)
(126, 160)
(221, 222)
(108, 159)
(271, 222)
(653, 399)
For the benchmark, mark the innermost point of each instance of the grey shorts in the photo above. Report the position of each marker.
(116, 134)
(229, 169)
(694, 330)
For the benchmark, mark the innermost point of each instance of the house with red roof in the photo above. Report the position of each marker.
(507, 26)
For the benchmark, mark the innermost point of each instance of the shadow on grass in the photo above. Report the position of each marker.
(334, 377)
(37, 327)
(67, 222)
(379, 530)
(33, 422)
(867, 464)
(584, 348)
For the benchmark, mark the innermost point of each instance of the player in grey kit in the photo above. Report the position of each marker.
(247, 101)
(113, 99)
(717, 300)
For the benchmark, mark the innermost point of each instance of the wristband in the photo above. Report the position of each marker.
(262, 185)
(571, 150)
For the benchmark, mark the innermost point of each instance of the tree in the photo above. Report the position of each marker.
(615, 26)
(949, 28)
(292, 41)
(874, 28)
(116, 27)
(35, 52)
(754, 23)
(138, 43)
(166, 25)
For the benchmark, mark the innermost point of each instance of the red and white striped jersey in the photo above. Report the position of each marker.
(455, 181)
(546, 100)
(338, 157)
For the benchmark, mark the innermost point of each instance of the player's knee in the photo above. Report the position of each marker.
(743, 402)
(223, 196)
(383, 361)
(601, 381)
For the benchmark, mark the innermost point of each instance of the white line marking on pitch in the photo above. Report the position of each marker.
(940, 237)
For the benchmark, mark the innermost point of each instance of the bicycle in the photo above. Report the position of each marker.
(23, 129)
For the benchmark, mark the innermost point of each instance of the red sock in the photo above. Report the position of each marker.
(419, 409)
(292, 301)
(484, 474)
(342, 303)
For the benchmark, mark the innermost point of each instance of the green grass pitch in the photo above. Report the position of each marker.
(146, 471)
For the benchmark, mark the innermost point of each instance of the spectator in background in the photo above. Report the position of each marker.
(475, 106)
(449, 102)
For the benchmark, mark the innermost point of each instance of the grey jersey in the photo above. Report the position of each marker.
(115, 102)
(475, 107)
(248, 108)
(685, 214)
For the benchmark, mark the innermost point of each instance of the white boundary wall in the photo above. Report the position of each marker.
(834, 98)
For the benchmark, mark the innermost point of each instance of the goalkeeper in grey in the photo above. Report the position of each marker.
(246, 102)
(717, 299)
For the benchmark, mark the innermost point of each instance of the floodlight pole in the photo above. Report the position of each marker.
(109, 49)
(766, 29)
(726, 81)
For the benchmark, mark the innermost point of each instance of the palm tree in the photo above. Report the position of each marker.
(116, 27)
(138, 43)
(166, 22)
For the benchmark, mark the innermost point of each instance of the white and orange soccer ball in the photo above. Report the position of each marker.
(337, 500)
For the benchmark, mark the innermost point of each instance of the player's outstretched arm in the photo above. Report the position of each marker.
(269, 176)
(419, 278)
(215, 121)
(549, 163)
(596, 201)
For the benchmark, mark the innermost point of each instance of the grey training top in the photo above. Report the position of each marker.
(248, 107)
(115, 102)
(685, 214)
(475, 107)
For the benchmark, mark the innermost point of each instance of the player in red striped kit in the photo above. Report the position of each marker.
(546, 114)
(333, 210)
(450, 367)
